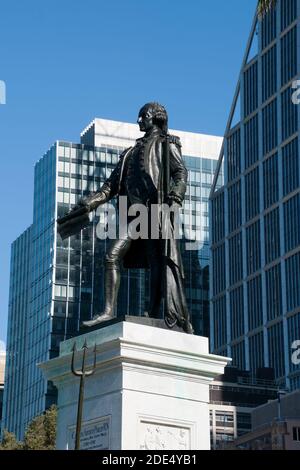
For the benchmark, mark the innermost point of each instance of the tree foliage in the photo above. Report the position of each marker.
(10, 442)
(264, 6)
(40, 434)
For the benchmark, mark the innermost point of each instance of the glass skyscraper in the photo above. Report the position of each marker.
(56, 284)
(2, 371)
(17, 340)
(255, 269)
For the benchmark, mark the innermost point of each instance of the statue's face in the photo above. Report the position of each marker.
(145, 119)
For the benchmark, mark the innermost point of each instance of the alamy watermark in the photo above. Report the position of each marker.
(296, 353)
(2, 92)
(296, 94)
(154, 221)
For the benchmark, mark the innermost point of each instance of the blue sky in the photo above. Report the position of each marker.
(65, 62)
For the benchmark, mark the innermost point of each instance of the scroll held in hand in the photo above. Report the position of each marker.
(73, 222)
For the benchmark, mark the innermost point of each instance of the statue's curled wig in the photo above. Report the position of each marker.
(159, 113)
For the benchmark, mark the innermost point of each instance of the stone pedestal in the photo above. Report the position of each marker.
(150, 389)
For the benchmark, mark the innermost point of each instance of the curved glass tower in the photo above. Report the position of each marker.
(255, 265)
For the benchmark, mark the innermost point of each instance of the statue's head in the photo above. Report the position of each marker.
(153, 114)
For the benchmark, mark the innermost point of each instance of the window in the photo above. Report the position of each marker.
(273, 289)
(289, 114)
(220, 325)
(268, 28)
(269, 116)
(289, 56)
(60, 291)
(296, 434)
(206, 164)
(250, 89)
(292, 267)
(271, 181)
(234, 203)
(253, 248)
(244, 420)
(237, 312)
(288, 12)
(256, 352)
(276, 349)
(219, 269)
(252, 193)
(255, 303)
(290, 163)
(238, 355)
(292, 223)
(294, 335)
(269, 70)
(234, 155)
(61, 151)
(218, 220)
(295, 382)
(223, 437)
(61, 275)
(60, 166)
(251, 141)
(235, 259)
(224, 418)
(272, 236)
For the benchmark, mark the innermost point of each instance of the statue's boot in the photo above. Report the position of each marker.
(188, 328)
(170, 321)
(112, 283)
(185, 324)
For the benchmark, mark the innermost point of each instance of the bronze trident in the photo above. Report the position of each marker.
(82, 373)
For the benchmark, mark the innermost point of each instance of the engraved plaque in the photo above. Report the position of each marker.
(94, 435)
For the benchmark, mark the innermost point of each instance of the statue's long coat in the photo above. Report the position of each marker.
(154, 167)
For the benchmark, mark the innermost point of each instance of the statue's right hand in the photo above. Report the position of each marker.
(91, 203)
(81, 204)
(72, 212)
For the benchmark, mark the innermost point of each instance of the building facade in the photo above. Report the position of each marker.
(2, 372)
(16, 372)
(255, 268)
(275, 426)
(233, 397)
(66, 278)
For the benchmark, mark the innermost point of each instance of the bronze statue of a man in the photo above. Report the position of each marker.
(151, 172)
